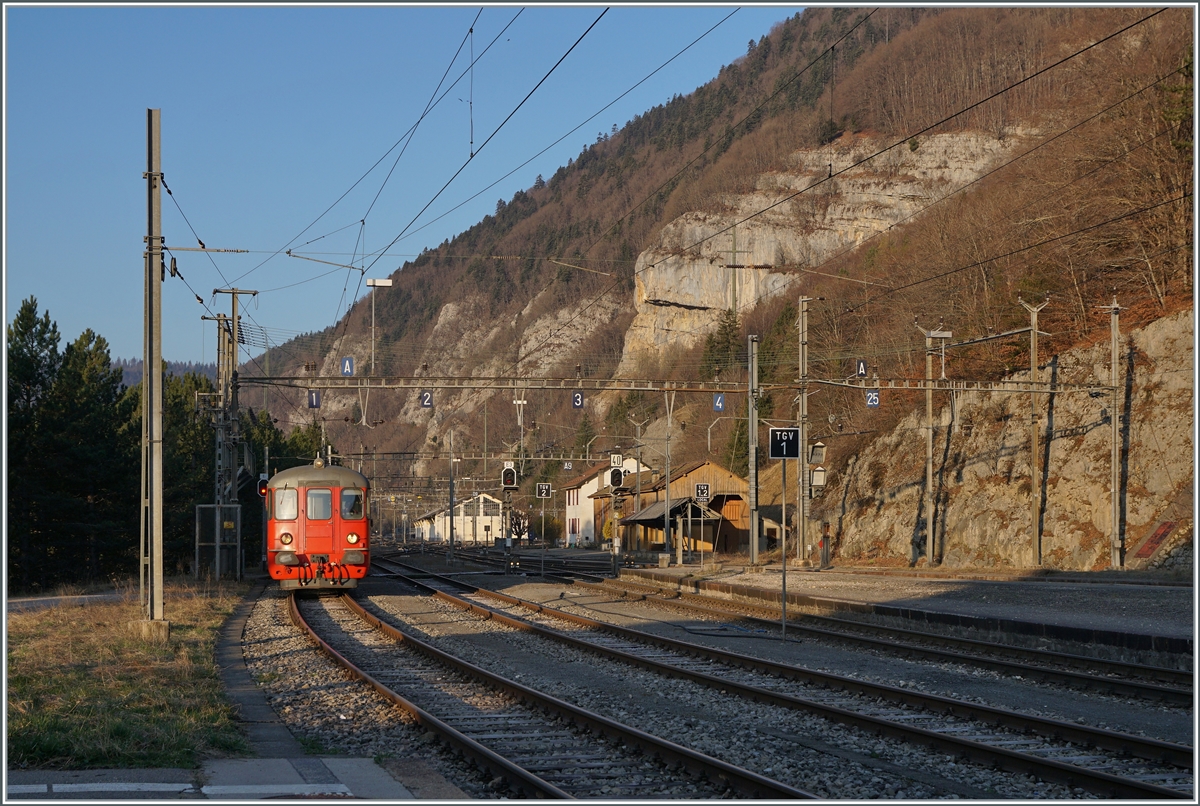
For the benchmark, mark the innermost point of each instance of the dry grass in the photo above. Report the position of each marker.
(85, 690)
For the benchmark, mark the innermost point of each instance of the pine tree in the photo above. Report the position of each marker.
(584, 434)
(33, 362)
(722, 348)
(90, 461)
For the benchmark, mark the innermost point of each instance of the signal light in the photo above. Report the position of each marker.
(262, 485)
(508, 478)
(615, 477)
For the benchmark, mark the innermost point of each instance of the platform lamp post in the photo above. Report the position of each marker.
(373, 282)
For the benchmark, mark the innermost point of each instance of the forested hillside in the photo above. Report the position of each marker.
(1094, 203)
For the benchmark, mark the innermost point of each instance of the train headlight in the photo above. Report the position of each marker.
(285, 539)
(352, 538)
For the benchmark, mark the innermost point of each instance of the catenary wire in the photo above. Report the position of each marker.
(905, 139)
(373, 167)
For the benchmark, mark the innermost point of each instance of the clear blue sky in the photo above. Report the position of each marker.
(270, 114)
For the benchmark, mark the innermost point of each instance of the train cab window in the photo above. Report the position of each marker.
(352, 503)
(320, 505)
(285, 505)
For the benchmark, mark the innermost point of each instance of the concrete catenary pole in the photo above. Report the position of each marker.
(802, 464)
(930, 335)
(1115, 482)
(1035, 534)
(670, 401)
(752, 440)
(156, 625)
(450, 531)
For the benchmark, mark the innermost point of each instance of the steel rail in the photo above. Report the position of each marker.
(687, 601)
(522, 779)
(744, 781)
(1011, 761)
(1179, 696)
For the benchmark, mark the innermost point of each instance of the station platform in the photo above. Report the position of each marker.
(1137, 611)
(222, 779)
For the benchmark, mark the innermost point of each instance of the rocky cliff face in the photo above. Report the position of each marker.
(982, 463)
(684, 282)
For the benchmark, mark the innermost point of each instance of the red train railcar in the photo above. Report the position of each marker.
(318, 529)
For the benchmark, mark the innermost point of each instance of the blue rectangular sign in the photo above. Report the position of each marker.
(314, 398)
(719, 401)
(348, 366)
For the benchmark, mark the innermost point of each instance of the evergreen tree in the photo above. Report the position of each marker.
(33, 362)
(584, 434)
(722, 348)
(89, 473)
(303, 444)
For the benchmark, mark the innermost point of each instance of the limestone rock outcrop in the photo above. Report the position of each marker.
(831, 199)
(982, 480)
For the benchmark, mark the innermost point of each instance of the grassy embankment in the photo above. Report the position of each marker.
(86, 691)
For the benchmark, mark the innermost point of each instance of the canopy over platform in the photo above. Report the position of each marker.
(682, 508)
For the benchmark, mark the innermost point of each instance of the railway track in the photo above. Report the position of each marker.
(587, 567)
(541, 746)
(1153, 683)
(1147, 682)
(1102, 762)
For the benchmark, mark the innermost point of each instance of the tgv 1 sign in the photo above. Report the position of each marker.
(784, 443)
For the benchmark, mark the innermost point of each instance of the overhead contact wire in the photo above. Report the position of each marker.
(493, 134)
